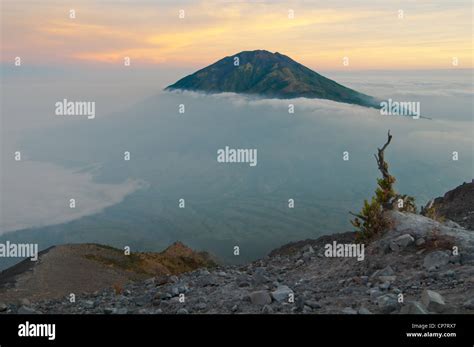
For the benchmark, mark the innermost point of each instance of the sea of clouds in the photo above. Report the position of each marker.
(175, 153)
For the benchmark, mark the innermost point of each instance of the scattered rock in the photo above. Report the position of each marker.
(436, 260)
(387, 303)
(110, 310)
(25, 302)
(259, 277)
(386, 271)
(88, 304)
(267, 309)
(27, 310)
(243, 281)
(390, 279)
(348, 310)
(375, 293)
(394, 247)
(299, 262)
(201, 306)
(433, 301)
(174, 291)
(364, 310)
(282, 293)
(420, 242)
(330, 286)
(260, 297)
(313, 304)
(450, 273)
(414, 307)
(469, 304)
(404, 241)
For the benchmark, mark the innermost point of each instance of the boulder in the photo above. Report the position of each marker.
(420, 242)
(469, 304)
(313, 304)
(387, 303)
(375, 293)
(260, 297)
(436, 260)
(433, 301)
(404, 240)
(282, 293)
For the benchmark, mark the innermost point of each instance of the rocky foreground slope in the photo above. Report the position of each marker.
(85, 268)
(418, 266)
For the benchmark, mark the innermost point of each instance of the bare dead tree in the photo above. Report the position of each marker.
(372, 220)
(382, 164)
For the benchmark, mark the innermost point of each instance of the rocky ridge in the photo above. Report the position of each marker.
(86, 268)
(457, 205)
(418, 266)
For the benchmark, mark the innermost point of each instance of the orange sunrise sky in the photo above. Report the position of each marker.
(371, 34)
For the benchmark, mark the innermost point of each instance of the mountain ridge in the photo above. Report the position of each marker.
(88, 267)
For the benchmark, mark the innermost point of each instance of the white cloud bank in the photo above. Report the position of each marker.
(36, 194)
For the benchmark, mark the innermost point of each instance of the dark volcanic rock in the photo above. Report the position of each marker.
(458, 205)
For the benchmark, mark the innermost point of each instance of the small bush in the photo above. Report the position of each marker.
(432, 212)
(371, 221)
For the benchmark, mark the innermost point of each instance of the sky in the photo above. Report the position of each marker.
(385, 35)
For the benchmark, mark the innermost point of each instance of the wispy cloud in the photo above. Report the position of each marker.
(320, 35)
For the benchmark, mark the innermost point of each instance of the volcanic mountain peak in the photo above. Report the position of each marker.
(272, 75)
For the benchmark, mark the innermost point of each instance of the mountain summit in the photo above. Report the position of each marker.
(272, 75)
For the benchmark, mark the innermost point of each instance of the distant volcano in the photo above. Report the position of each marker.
(271, 75)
